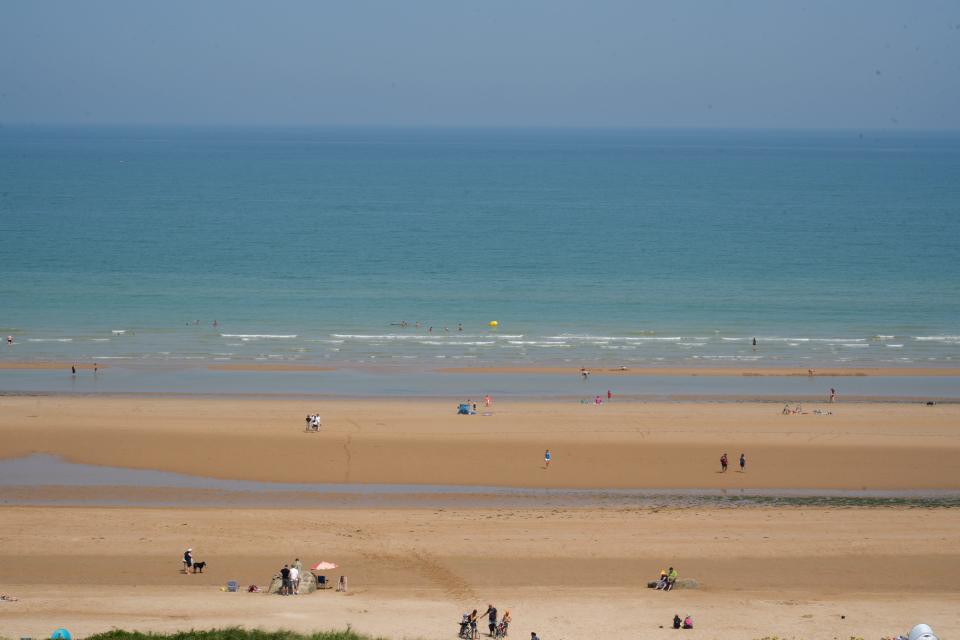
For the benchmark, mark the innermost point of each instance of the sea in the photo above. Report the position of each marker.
(170, 247)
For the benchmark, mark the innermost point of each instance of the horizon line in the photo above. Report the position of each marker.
(470, 127)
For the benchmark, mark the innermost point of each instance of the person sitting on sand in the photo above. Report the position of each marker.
(534, 636)
(677, 621)
(671, 579)
(662, 582)
(688, 623)
(786, 409)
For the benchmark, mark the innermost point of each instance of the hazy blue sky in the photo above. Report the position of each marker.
(832, 63)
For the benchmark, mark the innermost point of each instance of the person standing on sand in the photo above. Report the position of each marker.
(833, 394)
(73, 369)
(472, 618)
(487, 400)
(187, 560)
(609, 394)
(285, 585)
(491, 614)
(546, 459)
(294, 580)
(723, 463)
(743, 463)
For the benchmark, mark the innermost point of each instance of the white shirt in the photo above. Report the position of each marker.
(294, 574)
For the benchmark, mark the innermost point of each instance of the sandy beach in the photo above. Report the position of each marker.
(563, 572)
(615, 445)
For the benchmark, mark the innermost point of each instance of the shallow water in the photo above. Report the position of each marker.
(413, 383)
(39, 470)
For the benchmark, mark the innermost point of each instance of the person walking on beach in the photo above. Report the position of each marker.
(609, 394)
(487, 400)
(546, 459)
(73, 369)
(833, 394)
(723, 463)
(187, 560)
(743, 463)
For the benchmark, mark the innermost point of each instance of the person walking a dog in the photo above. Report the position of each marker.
(187, 560)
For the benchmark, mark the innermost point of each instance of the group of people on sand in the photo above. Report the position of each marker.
(667, 580)
(497, 628)
(686, 623)
(724, 461)
(290, 578)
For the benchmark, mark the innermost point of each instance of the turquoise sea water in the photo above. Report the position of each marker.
(594, 247)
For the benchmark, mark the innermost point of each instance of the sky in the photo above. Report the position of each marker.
(860, 64)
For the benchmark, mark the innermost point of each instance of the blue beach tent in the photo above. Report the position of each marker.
(464, 409)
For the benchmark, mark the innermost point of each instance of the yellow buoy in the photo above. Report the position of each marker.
(493, 323)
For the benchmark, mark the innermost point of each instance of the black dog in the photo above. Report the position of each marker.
(198, 567)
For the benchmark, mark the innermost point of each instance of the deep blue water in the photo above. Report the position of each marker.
(616, 247)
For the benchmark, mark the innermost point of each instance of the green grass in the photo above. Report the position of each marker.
(232, 633)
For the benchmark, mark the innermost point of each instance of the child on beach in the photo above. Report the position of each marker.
(743, 462)
(546, 459)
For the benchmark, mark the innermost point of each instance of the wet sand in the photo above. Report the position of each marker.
(595, 371)
(715, 371)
